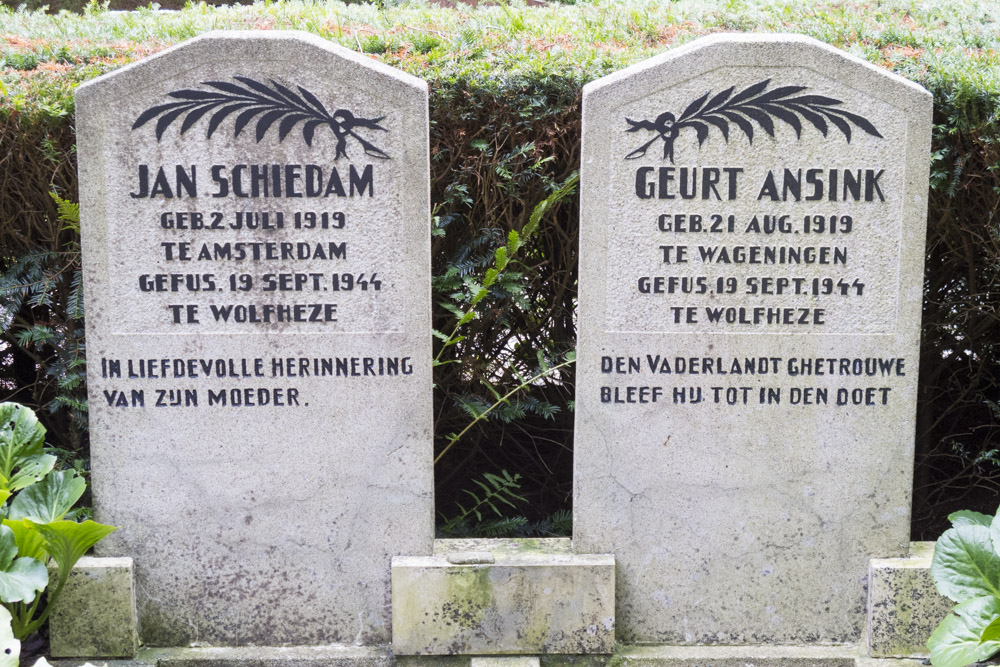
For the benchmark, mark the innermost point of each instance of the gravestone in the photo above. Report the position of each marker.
(255, 211)
(752, 235)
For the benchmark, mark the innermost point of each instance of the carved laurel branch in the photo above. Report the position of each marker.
(269, 104)
(756, 104)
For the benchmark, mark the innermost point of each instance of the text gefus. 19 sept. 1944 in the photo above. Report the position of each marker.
(287, 233)
(706, 250)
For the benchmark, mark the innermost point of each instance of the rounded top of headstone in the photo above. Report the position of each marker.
(763, 50)
(254, 47)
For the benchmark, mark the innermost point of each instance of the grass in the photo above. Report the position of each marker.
(949, 45)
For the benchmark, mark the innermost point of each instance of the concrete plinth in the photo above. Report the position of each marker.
(904, 606)
(95, 614)
(503, 597)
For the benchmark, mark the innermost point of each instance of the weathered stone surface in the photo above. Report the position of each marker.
(432, 660)
(710, 656)
(271, 656)
(646, 656)
(570, 660)
(95, 617)
(535, 597)
(735, 656)
(745, 406)
(471, 558)
(525, 547)
(78, 662)
(504, 661)
(904, 606)
(258, 331)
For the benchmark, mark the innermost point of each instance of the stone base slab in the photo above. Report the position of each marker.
(505, 661)
(253, 656)
(904, 606)
(627, 656)
(748, 656)
(268, 656)
(95, 616)
(503, 597)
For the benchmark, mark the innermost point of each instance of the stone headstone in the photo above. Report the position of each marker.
(255, 212)
(752, 235)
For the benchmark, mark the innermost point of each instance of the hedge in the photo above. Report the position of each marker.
(505, 123)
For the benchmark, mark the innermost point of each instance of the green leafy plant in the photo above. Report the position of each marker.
(473, 294)
(501, 259)
(966, 569)
(492, 491)
(37, 525)
(41, 324)
(484, 517)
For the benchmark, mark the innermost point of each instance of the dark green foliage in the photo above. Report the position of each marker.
(485, 497)
(486, 511)
(496, 157)
(958, 420)
(41, 322)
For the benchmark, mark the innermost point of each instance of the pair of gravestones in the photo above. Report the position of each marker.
(255, 212)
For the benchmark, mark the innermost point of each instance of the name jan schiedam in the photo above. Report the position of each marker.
(273, 106)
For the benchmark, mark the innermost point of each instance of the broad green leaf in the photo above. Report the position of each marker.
(10, 648)
(31, 470)
(992, 632)
(956, 641)
(67, 541)
(964, 565)
(50, 499)
(969, 518)
(21, 439)
(29, 542)
(8, 547)
(995, 534)
(20, 581)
